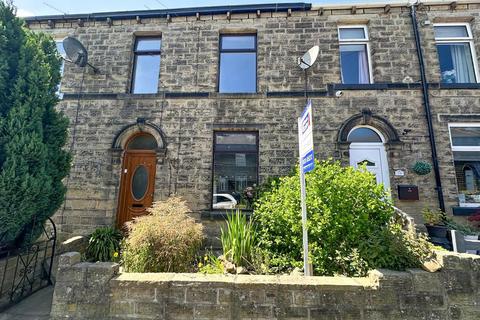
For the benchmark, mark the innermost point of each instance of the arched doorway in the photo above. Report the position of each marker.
(367, 147)
(137, 184)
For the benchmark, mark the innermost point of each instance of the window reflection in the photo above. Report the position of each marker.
(147, 65)
(466, 159)
(238, 64)
(234, 170)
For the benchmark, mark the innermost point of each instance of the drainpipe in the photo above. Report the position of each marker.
(426, 103)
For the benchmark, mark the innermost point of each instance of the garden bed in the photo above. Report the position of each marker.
(93, 291)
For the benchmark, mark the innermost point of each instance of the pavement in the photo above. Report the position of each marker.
(35, 307)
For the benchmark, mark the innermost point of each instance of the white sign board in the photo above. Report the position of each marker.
(305, 138)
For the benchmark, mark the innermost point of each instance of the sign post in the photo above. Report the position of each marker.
(305, 147)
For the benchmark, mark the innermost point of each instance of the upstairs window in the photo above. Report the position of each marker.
(235, 169)
(465, 140)
(146, 66)
(354, 55)
(455, 53)
(238, 64)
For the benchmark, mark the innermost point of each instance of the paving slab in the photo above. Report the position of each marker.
(35, 307)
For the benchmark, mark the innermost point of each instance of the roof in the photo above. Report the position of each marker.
(182, 12)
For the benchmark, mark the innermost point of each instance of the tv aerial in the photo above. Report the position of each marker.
(76, 53)
(306, 61)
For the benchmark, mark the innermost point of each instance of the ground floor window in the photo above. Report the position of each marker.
(235, 169)
(465, 139)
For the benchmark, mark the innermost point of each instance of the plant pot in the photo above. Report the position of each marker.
(436, 231)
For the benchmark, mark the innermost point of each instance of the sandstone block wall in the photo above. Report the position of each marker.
(189, 65)
(97, 291)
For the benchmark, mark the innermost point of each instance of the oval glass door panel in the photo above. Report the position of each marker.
(140, 182)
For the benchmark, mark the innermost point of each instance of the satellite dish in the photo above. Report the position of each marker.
(308, 59)
(76, 52)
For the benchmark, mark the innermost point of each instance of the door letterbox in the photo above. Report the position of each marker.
(407, 192)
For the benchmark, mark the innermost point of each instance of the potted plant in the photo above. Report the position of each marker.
(434, 222)
(475, 221)
(469, 198)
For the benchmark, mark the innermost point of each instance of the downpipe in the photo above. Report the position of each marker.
(426, 103)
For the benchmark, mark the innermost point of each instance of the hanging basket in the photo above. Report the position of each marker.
(422, 168)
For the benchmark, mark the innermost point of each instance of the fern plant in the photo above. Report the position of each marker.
(103, 244)
(238, 239)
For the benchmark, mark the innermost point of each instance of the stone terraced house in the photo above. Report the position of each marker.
(203, 102)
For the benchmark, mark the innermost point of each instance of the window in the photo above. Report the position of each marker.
(146, 67)
(363, 134)
(61, 51)
(354, 55)
(455, 53)
(235, 169)
(238, 64)
(465, 140)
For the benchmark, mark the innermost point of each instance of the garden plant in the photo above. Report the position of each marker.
(350, 224)
(103, 244)
(33, 161)
(167, 239)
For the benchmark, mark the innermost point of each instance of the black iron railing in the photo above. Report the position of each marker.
(26, 270)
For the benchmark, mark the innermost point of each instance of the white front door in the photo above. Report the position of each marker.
(374, 156)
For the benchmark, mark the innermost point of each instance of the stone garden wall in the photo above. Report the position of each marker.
(99, 291)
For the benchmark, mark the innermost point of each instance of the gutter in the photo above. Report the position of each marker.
(182, 12)
(331, 5)
(426, 103)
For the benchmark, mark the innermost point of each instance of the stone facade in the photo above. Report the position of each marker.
(91, 291)
(188, 108)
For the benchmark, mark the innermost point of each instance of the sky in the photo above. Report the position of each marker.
(49, 7)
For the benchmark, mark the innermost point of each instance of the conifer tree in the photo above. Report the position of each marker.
(32, 132)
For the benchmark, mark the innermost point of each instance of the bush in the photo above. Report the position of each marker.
(33, 160)
(165, 240)
(238, 239)
(348, 216)
(103, 244)
(433, 217)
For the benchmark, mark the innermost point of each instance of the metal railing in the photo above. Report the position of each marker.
(26, 270)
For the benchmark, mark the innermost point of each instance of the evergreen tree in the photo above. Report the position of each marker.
(32, 133)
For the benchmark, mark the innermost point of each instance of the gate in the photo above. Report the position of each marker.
(24, 271)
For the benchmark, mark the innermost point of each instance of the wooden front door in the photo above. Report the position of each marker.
(137, 185)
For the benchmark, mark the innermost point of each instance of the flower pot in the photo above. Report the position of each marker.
(437, 231)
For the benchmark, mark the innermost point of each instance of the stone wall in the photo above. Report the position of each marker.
(189, 66)
(92, 291)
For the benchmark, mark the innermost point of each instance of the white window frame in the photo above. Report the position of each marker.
(462, 125)
(463, 148)
(365, 41)
(468, 39)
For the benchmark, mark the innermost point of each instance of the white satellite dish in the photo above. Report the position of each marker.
(308, 59)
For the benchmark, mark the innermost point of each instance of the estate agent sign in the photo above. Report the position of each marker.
(305, 147)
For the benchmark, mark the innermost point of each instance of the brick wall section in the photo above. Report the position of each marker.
(190, 64)
(96, 291)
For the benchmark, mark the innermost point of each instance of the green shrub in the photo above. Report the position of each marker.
(165, 240)
(432, 217)
(33, 159)
(103, 244)
(397, 249)
(347, 213)
(238, 239)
